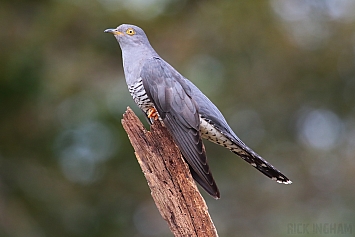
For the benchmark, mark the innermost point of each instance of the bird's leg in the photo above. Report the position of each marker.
(153, 113)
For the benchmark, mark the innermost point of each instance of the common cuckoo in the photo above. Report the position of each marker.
(163, 93)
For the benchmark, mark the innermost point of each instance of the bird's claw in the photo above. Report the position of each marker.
(153, 113)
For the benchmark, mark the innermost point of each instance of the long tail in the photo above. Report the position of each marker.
(260, 164)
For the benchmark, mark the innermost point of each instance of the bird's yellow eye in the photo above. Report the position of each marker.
(130, 31)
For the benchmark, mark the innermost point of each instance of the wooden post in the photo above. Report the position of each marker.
(172, 187)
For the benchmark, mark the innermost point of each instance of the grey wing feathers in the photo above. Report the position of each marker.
(168, 92)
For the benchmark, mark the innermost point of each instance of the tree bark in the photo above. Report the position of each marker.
(172, 187)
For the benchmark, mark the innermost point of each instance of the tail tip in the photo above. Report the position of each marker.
(282, 180)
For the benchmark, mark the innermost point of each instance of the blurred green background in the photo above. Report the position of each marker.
(281, 71)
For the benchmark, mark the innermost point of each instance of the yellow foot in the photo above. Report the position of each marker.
(153, 113)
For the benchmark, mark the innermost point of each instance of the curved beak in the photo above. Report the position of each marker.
(113, 31)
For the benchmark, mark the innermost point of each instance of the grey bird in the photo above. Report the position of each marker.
(163, 93)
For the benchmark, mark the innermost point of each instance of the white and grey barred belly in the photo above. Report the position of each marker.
(140, 96)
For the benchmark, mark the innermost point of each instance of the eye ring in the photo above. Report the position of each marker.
(130, 31)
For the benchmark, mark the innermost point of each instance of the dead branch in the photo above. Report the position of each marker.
(172, 187)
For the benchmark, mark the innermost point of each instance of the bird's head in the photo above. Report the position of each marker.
(129, 35)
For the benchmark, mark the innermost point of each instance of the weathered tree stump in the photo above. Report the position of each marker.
(172, 186)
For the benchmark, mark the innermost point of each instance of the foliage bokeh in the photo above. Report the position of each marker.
(281, 71)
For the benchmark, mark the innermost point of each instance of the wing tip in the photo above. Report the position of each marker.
(214, 192)
(217, 196)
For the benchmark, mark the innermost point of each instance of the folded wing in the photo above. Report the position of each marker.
(170, 95)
